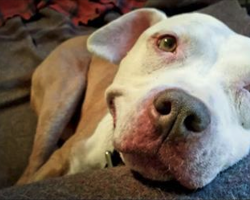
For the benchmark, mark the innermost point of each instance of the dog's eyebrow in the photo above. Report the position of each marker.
(156, 35)
(162, 33)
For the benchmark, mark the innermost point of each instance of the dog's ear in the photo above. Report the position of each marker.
(114, 40)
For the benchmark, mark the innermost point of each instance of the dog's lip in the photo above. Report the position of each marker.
(169, 163)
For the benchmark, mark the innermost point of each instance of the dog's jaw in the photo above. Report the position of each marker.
(193, 163)
(194, 160)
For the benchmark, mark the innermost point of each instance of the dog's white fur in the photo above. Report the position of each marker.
(211, 63)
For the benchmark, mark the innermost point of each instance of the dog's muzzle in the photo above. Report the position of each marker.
(170, 135)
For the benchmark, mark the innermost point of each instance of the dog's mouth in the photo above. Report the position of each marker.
(194, 161)
(191, 167)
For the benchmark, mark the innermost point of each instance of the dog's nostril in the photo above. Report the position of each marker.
(164, 108)
(194, 123)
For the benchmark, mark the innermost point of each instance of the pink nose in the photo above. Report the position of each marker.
(180, 114)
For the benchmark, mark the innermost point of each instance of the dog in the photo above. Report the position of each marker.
(177, 96)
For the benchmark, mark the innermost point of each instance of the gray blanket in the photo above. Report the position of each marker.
(23, 46)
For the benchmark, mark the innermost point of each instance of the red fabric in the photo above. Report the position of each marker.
(78, 10)
(11, 8)
(81, 11)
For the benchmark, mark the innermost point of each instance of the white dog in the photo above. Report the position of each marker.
(179, 103)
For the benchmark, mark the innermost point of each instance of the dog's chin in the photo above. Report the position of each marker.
(189, 173)
(148, 167)
(194, 160)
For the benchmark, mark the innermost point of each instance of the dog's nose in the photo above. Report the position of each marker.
(180, 113)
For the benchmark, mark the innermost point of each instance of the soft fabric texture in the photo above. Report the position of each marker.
(120, 183)
(18, 121)
(78, 11)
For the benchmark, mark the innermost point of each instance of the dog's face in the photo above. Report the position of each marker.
(180, 101)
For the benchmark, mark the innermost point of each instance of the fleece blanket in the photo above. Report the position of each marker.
(23, 46)
(77, 11)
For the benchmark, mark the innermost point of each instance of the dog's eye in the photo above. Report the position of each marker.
(167, 43)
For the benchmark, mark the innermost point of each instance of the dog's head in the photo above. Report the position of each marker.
(180, 100)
